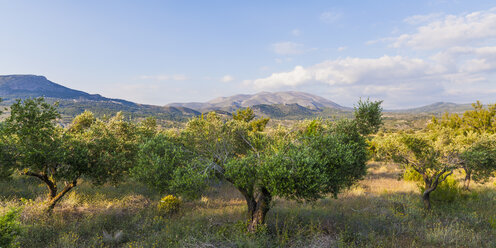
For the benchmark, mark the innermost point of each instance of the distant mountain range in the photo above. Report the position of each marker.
(437, 108)
(24, 86)
(278, 105)
(73, 102)
(232, 103)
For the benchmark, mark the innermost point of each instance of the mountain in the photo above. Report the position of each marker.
(232, 103)
(73, 102)
(437, 108)
(24, 86)
(276, 105)
(292, 110)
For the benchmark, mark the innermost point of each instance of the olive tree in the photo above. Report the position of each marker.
(368, 116)
(479, 160)
(166, 166)
(431, 154)
(6, 153)
(304, 165)
(474, 131)
(89, 148)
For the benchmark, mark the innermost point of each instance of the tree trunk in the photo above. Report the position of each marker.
(468, 177)
(250, 201)
(260, 211)
(426, 197)
(52, 189)
(53, 201)
(53, 196)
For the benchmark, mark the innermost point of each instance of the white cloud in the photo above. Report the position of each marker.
(350, 71)
(227, 78)
(330, 16)
(176, 77)
(450, 30)
(287, 48)
(342, 48)
(458, 63)
(296, 32)
(401, 80)
(468, 59)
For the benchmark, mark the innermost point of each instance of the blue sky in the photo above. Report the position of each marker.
(407, 53)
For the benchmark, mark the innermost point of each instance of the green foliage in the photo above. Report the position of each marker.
(411, 175)
(245, 115)
(368, 116)
(404, 149)
(480, 158)
(38, 141)
(98, 151)
(167, 166)
(318, 162)
(305, 164)
(7, 153)
(474, 140)
(243, 172)
(169, 204)
(480, 119)
(10, 228)
(447, 191)
(430, 154)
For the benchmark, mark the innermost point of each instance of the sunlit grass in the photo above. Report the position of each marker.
(381, 211)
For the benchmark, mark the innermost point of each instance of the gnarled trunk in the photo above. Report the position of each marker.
(426, 197)
(468, 177)
(53, 195)
(262, 206)
(52, 201)
(250, 200)
(431, 184)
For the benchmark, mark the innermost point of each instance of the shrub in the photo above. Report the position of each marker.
(412, 176)
(169, 205)
(446, 191)
(9, 228)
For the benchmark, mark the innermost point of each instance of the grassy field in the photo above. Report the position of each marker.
(379, 212)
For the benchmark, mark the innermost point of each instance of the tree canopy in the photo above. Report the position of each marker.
(474, 132)
(89, 148)
(303, 164)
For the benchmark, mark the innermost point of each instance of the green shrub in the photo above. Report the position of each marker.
(446, 191)
(412, 175)
(169, 204)
(9, 228)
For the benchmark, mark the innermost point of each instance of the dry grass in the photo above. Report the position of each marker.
(381, 211)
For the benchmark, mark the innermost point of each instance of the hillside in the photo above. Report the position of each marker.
(231, 103)
(276, 105)
(277, 111)
(436, 108)
(24, 86)
(73, 102)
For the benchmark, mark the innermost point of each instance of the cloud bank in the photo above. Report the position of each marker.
(459, 57)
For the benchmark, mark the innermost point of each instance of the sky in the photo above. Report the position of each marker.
(407, 53)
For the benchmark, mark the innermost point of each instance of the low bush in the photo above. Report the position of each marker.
(410, 175)
(10, 228)
(446, 191)
(169, 205)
